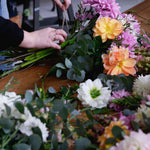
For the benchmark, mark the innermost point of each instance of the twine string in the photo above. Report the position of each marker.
(65, 21)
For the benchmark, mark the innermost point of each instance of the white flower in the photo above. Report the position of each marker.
(135, 141)
(92, 93)
(9, 98)
(139, 114)
(142, 85)
(32, 122)
(16, 114)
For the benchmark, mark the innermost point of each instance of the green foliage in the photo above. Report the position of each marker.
(104, 110)
(118, 82)
(131, 102)
(22, 147)
(35, 142)
(6, 124)
(19, 106)
(82, 144)
(117, 132)
(28, 96)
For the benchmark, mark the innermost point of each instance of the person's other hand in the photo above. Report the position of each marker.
(63, 6)
(43, 38)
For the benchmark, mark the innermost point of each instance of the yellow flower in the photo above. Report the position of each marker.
(118, 61)
(107, 28)
(108, 134)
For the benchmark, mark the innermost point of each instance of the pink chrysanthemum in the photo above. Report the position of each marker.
(126, 119)
(104, 8)
(129, 40)
(131, 21)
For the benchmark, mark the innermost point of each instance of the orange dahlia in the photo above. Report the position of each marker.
(118, 61)
(108, 134)
(107, 28)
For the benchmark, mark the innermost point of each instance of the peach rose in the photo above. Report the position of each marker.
(118, 61)
(107, 28)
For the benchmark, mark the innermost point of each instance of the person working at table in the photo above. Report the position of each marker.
(12, 35)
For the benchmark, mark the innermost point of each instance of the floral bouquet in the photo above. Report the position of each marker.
(109, 110)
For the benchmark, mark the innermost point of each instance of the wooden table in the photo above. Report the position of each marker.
(142, 13)
(31, 76)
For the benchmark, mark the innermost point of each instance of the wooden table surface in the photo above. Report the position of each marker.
(31, 76)
(142, 13)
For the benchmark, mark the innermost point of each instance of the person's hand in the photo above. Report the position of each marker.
(63, 6)
(43, 38)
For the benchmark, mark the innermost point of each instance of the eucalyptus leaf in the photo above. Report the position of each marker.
(110, 141)
(54, 142)
(28, 96)
(68, 63)
(60, 65)
(22, 147)
(80, 128)
(58, 73)
(51, 90)
(8, 109)
(117, 132)
(66, 131)
(63, 146)
(64, 113)
(6, 124)
(19, 106)
(89, 115)
(39, 103)
(35, 142)
(80, 78)
(31, 109)
(82, 144)
(57, 106)
(71, 74)
(37, 130)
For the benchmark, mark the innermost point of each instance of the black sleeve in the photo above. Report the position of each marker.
(10, 34)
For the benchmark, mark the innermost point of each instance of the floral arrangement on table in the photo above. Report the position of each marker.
(100, 33)
(109, 110)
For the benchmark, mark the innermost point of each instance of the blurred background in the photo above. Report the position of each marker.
(46, 11)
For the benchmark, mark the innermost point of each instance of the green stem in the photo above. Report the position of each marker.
(12, 136)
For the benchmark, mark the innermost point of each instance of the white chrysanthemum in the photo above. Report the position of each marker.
(16, 114)
(142, 85)
(139, 114)
(92, 93)
(32, 122)
(135, 141)
(9, 98)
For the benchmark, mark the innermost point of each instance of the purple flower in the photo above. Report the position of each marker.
(117, 95)
(103, 8)
(127, 120)
(129, 41)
